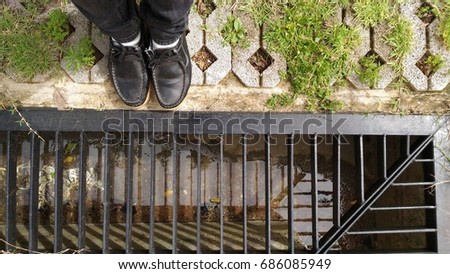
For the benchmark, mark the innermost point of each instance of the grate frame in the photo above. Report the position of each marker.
(425, 130)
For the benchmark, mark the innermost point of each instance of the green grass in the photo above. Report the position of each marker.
(445, 23)
(260, 10)
(317, 48)
(25, 48)
(441, 9)
(316, 53)
(372, 12)
(29, 46)
(400, 37)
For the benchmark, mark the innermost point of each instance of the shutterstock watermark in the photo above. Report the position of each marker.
(188, 127)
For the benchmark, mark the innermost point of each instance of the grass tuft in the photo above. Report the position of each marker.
(400, 37)
(372, 12)
(81, 55)
(24, 47)
(29, 47)
(445, 23)
(317, 51)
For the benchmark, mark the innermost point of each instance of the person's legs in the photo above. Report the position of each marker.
(166, 19)
(115, 18)
(169, 60)
(127, 67)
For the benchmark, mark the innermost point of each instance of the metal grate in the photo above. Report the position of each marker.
(139, 182)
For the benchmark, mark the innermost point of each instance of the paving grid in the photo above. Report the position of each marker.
(204, 34)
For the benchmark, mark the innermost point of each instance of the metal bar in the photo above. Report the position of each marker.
(414, 184)
(424, 161)
(175, 195)
(337, 180)
(382, 160)
(151, 248)
(379, 188)
(430, 198)
(106, 193)
(221, 192)
(34, 192)
(391, 208)
(267, 192)
(244, 195)
(58, 192)
(405, 145)
(359, 161)
(290, 187)
(82, 193)
(314, 193)
(11, 188)
(392, 231)
(199, 193)
(129, 194)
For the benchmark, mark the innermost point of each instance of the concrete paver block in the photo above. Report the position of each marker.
(99, 72)
(241, 66)
(334, 20)
(411, 72)
(363, 48)
(81, 25)
(271, 76)
(441, 78)
(387, 73)
(195, 43)
(216, 44)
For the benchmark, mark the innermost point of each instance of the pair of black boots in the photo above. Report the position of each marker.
(169, 71)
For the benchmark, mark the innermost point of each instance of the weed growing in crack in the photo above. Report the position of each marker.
(57, 25)
(434, 62)
(234, 33)
(13, 106)
(80, 55)
(370, 70)
(426, 11)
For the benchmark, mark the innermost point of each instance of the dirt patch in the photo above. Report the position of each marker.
(204, 58)
(205, 7)
(424, 66)
(261, 60)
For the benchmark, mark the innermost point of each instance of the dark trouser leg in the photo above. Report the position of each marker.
(166, 19)
(127, 68)
(115, 18)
